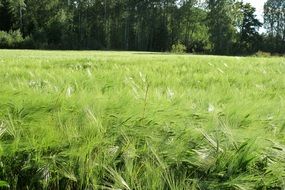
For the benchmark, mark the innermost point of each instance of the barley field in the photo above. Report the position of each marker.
(139, 121)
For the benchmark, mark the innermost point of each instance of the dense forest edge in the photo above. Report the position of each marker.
(222, 27)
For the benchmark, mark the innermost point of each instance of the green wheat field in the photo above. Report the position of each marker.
(141, 121)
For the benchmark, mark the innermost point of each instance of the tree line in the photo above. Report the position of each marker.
(209, 26)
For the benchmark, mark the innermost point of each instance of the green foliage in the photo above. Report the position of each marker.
(125, 120)
(274, 22)
(178, 48)
(14, 39)
(262, 54)
(10, 39)
(274, 17)
(213, 26)
(249, 40)
(222, 30)
(4, 184)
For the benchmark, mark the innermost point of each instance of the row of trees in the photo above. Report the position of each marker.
(211, 26)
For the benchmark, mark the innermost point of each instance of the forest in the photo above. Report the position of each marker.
(222, 27)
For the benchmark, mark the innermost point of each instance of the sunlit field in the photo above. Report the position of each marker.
(138, 121)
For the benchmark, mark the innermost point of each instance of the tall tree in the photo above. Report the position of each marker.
(221, 25)
(249, 37)
(274, 20)
(17, 7)
(193, 29)
(274, 17)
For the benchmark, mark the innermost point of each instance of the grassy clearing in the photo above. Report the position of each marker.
(118, 120)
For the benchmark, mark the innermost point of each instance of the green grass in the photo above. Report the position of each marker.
(118, 120)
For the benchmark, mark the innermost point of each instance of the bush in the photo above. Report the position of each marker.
(13, 39)
(262, 54)
(5, 39)
(178, 48)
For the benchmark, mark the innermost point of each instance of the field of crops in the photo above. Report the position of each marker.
(118, 120)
